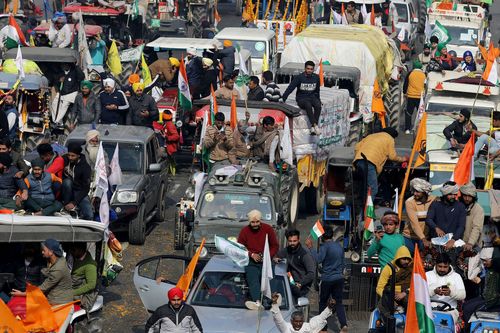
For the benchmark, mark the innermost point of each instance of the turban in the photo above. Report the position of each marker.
(174, 62)
(134, 78)
(138, 85)
(390, 216)
(486, 253)
(468, 189)
(5, 159)
(420, 185)
(207, 62)
(167, 115)
(468, 53)
(87, 84)
(449, 189)
(417, 64)
(227, 43)
(37, 162)
(109, 82)
(175, 292)
(191, 51)
(54, 246)
(92, 134)
(75, 148)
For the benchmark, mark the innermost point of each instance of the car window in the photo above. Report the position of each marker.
(443, 108)
(169, 269)
(148, 269)
(151, 152)
(230, 290)
(131, 155)
(402, 12)
(235, 205)
(256, 48)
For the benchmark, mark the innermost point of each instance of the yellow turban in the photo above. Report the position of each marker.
(138, 85)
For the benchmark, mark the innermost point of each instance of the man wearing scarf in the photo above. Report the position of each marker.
(91, 148)
(459, 131)
(447, 215)
(87, 107)
(143, 110)
(447, 62)
(114, 103)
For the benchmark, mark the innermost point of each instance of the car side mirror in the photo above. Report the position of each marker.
(154, 167)
(302, 301)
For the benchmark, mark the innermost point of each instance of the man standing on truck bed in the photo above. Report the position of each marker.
(307, 95)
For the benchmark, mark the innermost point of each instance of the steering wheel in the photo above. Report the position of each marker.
(444, 307)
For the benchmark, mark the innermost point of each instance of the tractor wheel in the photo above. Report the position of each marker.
(198, 14)
(290, 196)
(422, 16)
(392, 104)
(315, 198)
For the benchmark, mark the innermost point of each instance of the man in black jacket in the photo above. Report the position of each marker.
(255, 92)
(176, 316)
(143, 110)
(76, 182)
(67, 88)
(307, 95)
(4, 126)
(458, 132)
(300, 264)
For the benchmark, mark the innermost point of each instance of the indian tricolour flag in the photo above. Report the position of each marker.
(13, 35)
(184, 93)
(419, 313)
(369, 215)
(317, 230)
(490, 73)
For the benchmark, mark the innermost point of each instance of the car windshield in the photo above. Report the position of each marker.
(443, 108)
(256, 48)
(230, 290)
(402, 12)
(461, 36)
(235, 205)
(131, 155)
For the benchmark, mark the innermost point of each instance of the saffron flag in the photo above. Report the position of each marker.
(344, 18)
(9, 320)
(146, 73)
(490, 73)
(114, 64)
(378, 103)
(14, 35)
(185, 280)
(372, 15)
(267, 271)
(420, 144)
(115, 177)
(317, 230)
(321, 73)
(464, 169)
(369, 216)
(419, 313)
(184, 93)
(217, 17)
(39, 315)
(233, 117)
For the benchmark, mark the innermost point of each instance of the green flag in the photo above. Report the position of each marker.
(441, 33)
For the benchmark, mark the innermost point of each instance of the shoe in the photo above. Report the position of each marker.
(344, 329)
(312, 130)
(317, 130)
(407, 132)
(253, 305)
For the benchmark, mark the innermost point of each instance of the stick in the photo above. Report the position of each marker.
(259, 316)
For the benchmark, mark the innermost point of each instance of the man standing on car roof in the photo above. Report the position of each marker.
(176, 316)
(253, 237)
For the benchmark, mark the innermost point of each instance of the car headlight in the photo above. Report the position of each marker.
(126, 196)
(189, 193)
(178, 123)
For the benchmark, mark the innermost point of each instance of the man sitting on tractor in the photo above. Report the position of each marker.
(446, 285)
(402, 267)
(266, 141)
(219, 140)
(491, 140)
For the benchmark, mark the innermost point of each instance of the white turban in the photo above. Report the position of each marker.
(92, 134)
(109, 83)
(191, 51)
(449, 189)
(421, 185)
(468, 189)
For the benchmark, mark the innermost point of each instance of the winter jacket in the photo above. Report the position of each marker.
(307, 87)
(57, 285)
(43, 188)
(80, 174)
(457, 131)
(331, 258)
(272, 93)
(226, 56)
(453, 280)
(265, 143)
(12, 131)
(194, 71)
(414, 84)
(300, 264)
(118, 98)
(219, 150)
(415, 228)
(377, 148)
(209, 79)
(19, 163)
(256, 94)
(314, 325)
(254, 240)
(9, 185)
(138, 104)
(31, 273)
(4, 126)
(167, 320)
(172, 137)
(385, 275)
(474, 224)
(87, 110)
(386, 248)
(240, 148)
(55, 165)
(449, 218)
(71, 81)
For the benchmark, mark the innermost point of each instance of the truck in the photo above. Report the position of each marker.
(361, 46)
(465, 24)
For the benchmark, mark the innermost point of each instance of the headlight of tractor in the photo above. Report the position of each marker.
(126, 196)
(189, 193)
(203, 252)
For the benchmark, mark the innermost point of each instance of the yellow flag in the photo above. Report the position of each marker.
(265, 65)
(185, 279)
(114, 63)
(488, 185)
(146, 74)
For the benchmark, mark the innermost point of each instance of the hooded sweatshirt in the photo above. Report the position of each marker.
(386, 248)
(448, 217)
(453, 280)
(402, 278)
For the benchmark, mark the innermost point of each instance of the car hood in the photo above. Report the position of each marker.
(130, 182)
(208, 231)
(223, 320)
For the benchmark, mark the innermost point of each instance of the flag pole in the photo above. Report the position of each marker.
(259, 313)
